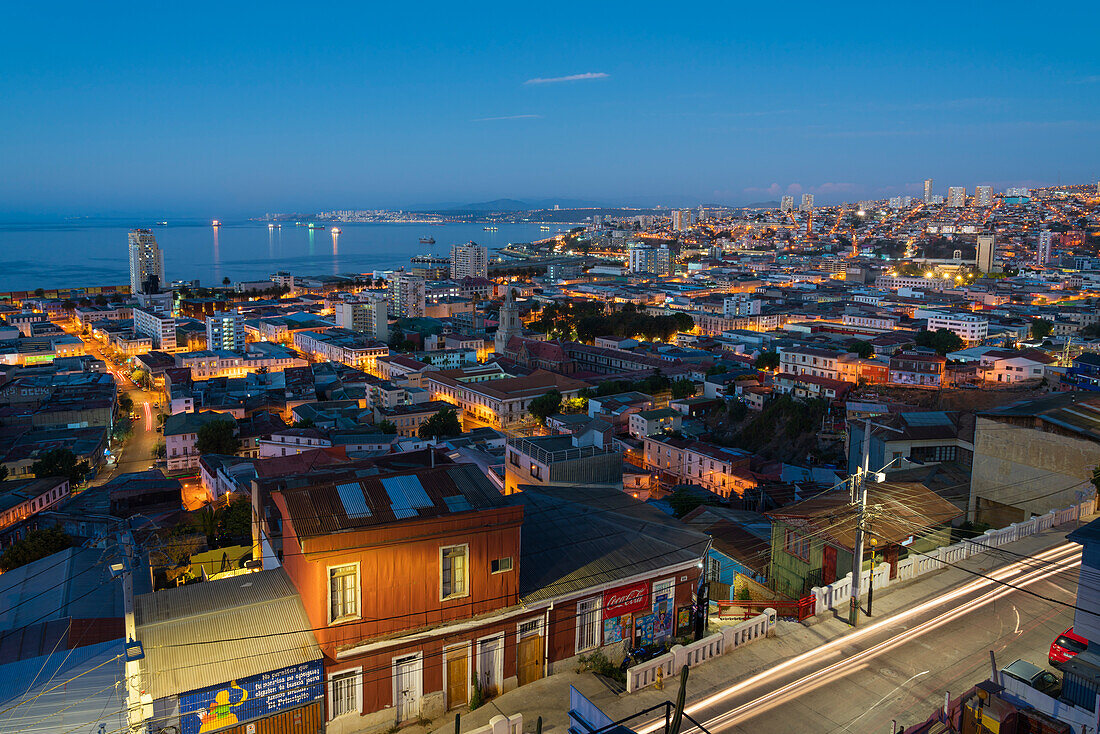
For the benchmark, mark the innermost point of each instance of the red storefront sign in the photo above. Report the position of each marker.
(626, 599)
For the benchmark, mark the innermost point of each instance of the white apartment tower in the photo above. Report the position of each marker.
(786, 204)
(681, 219)
(407, 295)
(983, 195)
(927, 191)
(956, 197)
(161, 329)
(1042, 250)
(225, 330)
(146, 262)
(807, 203)
(469, 261)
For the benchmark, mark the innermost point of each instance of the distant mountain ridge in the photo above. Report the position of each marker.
(515, 205)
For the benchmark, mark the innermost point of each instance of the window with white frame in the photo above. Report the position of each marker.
(588, 624)
(500, 565)
(343, 585)
(454, 571)
(344, 693)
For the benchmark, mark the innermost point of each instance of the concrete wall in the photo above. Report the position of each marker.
(1014, 464)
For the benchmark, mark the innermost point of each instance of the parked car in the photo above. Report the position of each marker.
(1066, 646)
(1041, 680)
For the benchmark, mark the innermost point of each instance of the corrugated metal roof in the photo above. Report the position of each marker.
(93, 697)
(407, 495)
(319, 508)
(74, 583)
(351, 496)
(260, 614)
(574, 538)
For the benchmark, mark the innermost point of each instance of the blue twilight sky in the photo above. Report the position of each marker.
(222, 109)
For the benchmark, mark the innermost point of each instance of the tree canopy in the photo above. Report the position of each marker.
(443, 424)
(60, 463)
(37, 544)
(387, 427)
(1041, 329)
(863, 349)
(586, 320)
(942, 340)
(545, 405)
(767, 361)
(217, 437)
(682, 388)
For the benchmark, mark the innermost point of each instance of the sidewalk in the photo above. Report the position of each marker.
(549, 697)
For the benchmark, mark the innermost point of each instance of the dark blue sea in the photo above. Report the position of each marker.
(89, 252)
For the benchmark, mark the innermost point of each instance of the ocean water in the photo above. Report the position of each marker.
(89, 252)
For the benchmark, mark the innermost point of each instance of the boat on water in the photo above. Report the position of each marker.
(490, 229)
(271, 226)
(335, 230)
(316, 226)
(544, 228)
(216, 223)
(162, 224)
(427, 240)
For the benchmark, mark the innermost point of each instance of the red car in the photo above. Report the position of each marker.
(1066, 646)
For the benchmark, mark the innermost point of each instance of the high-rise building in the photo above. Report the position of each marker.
(927, 191)
(161, 329)
(369, 317)
(786, 204)
(657, 260)
(681, 219)
(985, 251)
(225, 330)
(1042, 249)
(866, 205)
(146, 262)
(956, 196)
(983, 196)
(406, 295)
(469, 261)
(807, 203)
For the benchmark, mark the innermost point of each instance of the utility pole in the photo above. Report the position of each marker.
(133, 688)
(860, 491)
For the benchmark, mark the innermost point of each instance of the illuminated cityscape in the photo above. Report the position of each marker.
(650, 385)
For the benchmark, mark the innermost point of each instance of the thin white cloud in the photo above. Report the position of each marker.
(507, 117)
(570, 78)
(1086, 79)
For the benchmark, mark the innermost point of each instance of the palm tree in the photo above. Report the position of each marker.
(226, 281)
(209, 519)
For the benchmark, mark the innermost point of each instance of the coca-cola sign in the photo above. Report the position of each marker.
(626, 599)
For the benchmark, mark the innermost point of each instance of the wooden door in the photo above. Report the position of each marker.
(828, 565)
(892, 559)
(457, 680)
(408, 689)
(529, 659)
(489, 659)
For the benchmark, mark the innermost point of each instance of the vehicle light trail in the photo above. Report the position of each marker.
(148, 416)
(1063, 557)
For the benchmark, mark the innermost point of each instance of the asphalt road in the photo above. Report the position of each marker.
(136, 453)
(896, 668)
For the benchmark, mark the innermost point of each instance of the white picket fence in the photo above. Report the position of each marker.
(839, 593)
(728, 638)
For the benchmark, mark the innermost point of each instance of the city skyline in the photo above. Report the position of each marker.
(236, 114)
